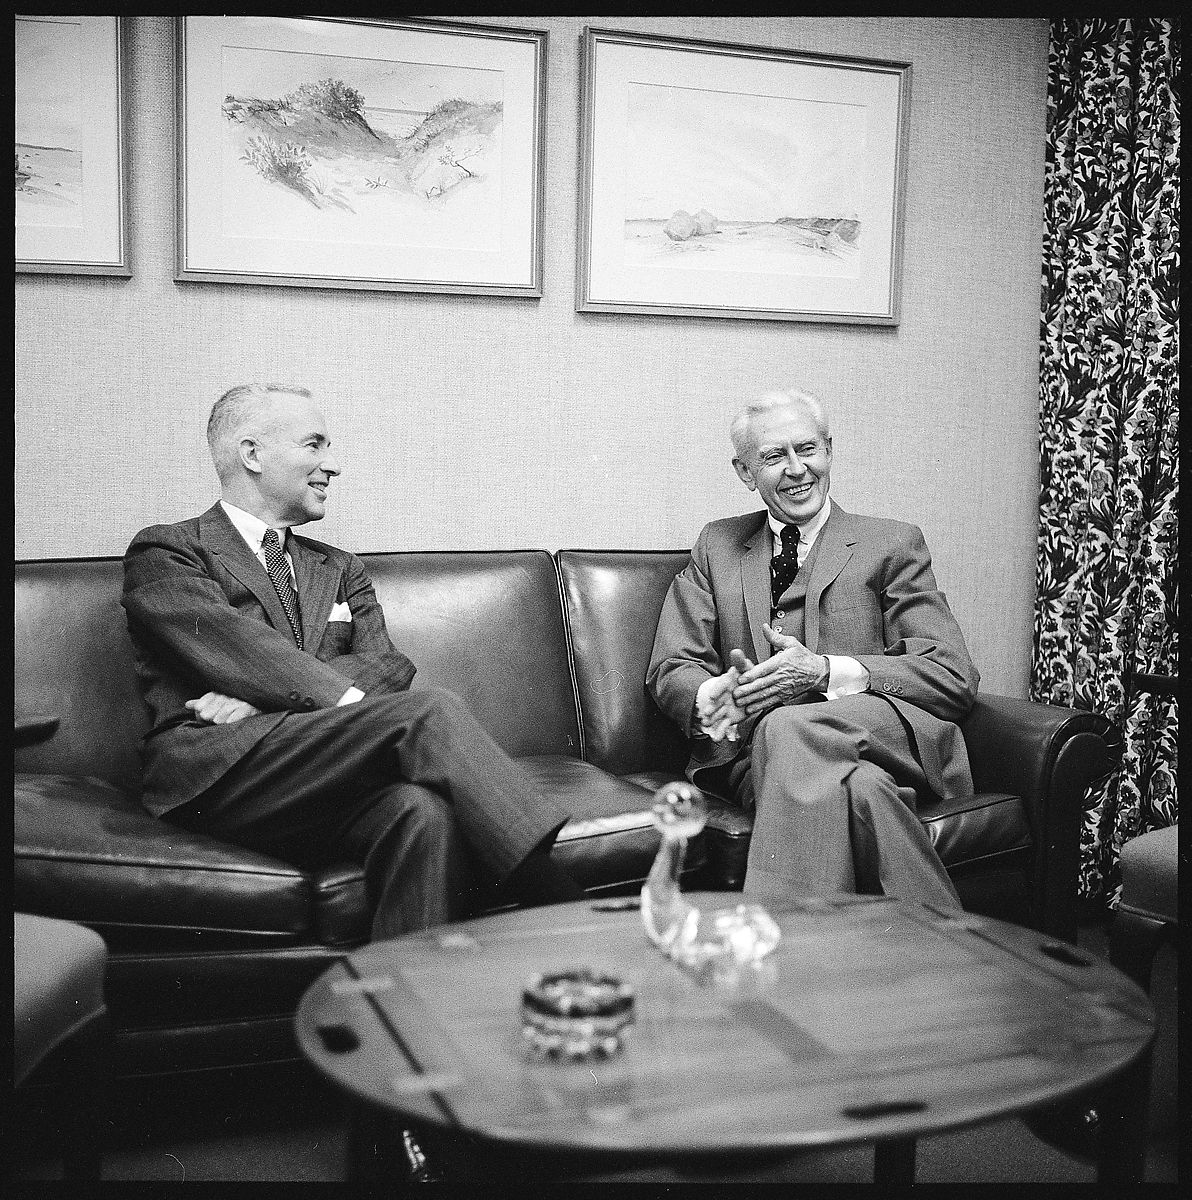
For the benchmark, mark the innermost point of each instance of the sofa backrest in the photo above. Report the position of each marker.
(487, 624)
(72, 657)
(612, 599)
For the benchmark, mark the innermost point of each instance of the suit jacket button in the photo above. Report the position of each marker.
(295, 697)
(308, 703)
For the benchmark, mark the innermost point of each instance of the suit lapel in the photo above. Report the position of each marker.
(755, 585)
(220, 536)
(834, 548)
(317, 587)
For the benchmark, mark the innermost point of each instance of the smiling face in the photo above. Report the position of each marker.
(288, 456)
(787, 460)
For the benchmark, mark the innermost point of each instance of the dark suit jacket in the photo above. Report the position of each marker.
(871, 595)
(204, 616)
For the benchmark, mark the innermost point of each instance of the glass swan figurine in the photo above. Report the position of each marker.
(725, 938)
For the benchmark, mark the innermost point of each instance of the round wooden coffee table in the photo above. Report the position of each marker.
(875, 1021)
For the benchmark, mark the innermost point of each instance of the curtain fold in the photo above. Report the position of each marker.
(1107, 570)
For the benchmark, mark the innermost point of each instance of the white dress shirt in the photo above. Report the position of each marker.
(252, 529)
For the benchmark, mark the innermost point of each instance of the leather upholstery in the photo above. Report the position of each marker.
(212, 945)
(1049, 756)
(85, 849)
(72, 657)
(968, 831)
(488, 625)
(610, 842)
(612, 600)
(725, 839)
(58, 970)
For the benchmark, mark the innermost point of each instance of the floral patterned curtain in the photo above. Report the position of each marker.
(1109, 415)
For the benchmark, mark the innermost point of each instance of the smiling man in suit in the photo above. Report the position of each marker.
(817, 670)
(284, 718)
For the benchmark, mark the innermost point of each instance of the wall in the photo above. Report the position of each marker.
(478, 422)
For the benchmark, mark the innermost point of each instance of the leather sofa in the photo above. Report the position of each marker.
(211, 946)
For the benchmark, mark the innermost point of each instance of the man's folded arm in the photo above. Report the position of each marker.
(375, 673)
(168, 593)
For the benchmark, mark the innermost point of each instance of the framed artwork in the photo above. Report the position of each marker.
(375, 154)
(739, 181)
(72, 192)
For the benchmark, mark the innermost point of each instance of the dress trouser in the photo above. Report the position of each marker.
(823, 780)
(409, 784)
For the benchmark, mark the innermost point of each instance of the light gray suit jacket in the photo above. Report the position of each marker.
(204, 616)
(871, 595)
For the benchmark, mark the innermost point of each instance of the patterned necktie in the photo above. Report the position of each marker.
(279, 572)
(784, 565)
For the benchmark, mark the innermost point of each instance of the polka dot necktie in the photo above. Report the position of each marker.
(279, 572)
(784, 565)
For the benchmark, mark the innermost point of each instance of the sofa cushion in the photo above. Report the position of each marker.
(86, 851)
(342, 910)
(970, 833)
(488, 625)
(72, 657)
(725, 838)
(612, 599)
(610, 842)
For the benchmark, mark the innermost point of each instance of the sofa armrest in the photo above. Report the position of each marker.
(1049, 756)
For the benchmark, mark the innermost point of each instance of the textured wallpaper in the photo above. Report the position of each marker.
(478, 422)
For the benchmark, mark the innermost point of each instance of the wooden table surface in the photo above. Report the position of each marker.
(876, 1019)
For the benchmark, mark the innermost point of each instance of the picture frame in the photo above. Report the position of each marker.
(733, 181)
(71, 138)
(393, 155)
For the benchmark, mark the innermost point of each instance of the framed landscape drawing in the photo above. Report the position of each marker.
(71, 193)
(739, 181)
(345, 153)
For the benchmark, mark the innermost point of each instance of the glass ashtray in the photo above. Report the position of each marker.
(576, 1015)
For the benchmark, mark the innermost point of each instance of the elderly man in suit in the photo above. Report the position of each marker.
(284, 718)
(817, 670)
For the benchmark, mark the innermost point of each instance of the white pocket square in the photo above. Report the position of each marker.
(340, 612)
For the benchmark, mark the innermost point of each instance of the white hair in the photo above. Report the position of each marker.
(787, 397)
(236, 412)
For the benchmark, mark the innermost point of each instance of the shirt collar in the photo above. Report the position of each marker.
(251, 528)
(807, 533)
